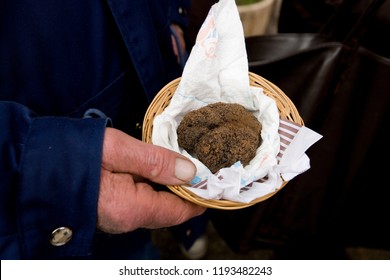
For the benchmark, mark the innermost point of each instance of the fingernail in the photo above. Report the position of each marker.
(185, 170)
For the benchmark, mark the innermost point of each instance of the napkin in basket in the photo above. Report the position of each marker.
(217, 71)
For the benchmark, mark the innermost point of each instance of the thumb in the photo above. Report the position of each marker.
(126, 154)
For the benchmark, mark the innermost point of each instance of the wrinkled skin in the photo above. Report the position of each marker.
(126, 200)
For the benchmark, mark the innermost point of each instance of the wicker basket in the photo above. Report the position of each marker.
(286, 108)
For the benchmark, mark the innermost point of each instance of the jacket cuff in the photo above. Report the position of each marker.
(59, 187)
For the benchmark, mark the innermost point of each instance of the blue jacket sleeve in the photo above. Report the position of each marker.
(50, 172)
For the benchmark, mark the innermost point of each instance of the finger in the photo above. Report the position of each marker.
(169, 210)
(122, 153)
(124, 205)
(175, 49)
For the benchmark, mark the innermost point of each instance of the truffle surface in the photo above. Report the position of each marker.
(220, 134)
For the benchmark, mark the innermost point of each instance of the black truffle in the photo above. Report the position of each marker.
(220, 134)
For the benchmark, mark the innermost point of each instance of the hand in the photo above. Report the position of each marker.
(178, 43)
(126, 200)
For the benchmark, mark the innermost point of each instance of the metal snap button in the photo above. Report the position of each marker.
(61, 236)
(182, 11)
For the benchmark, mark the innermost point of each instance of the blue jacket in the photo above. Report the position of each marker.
(58, 59)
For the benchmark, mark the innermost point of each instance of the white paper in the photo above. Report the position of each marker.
(217, 71)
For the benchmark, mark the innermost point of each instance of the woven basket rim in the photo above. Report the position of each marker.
(287, 110)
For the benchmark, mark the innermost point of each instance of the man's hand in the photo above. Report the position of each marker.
(126, 200)
(178, 44)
